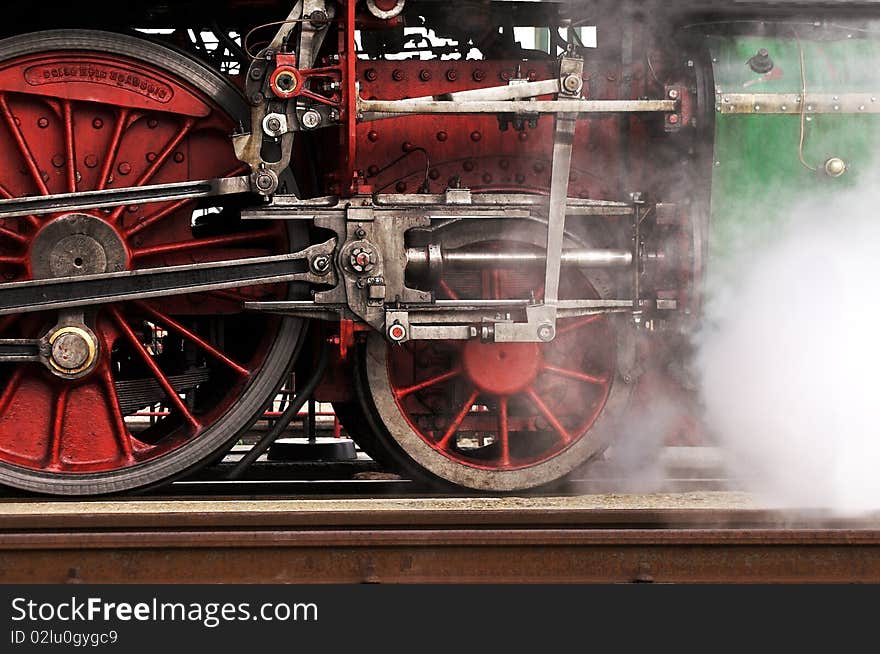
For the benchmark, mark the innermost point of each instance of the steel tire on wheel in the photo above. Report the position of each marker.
(218, 409)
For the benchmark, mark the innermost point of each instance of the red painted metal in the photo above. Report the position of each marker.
(81, 121)
(474, 150)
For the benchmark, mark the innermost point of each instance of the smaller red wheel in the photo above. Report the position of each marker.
(501, 416)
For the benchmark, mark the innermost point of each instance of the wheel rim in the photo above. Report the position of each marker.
(120, 121)
(501, 416)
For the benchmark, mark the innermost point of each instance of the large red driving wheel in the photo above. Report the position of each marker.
(501, 416)
(134, 393)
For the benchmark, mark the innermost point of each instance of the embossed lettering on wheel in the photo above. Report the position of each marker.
(86, 111)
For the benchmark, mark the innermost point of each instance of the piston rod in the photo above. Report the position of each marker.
(432, 256)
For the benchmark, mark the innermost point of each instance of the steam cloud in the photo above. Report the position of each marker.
(789, 359)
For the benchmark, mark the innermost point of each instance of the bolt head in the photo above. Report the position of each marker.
(546, 332)
(835, 167)
(572, 83)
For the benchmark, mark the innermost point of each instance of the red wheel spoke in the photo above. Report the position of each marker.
(11, 386)
(188, 246)
(230, 295)
(149, 221)
(23, 147)
(578, 324)
(575, 374)
(69, 144)
(548, 414)
(13, 261)
(448, 290)
(13, 236)
(459, 418)
(428, 383)
(122, 115)
(122, 433)
(168, 321)
(54, 454)
(161, 158)
(154, 368)
(504, 432)
(170, 209)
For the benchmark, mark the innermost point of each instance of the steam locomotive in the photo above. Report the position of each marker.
(479, 228)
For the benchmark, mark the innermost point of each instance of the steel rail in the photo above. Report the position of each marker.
(352, 546)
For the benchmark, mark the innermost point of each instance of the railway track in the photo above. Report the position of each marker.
(350, 523)
(679, 537)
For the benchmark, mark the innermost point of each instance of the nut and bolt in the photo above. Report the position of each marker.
(546, 332)
(362, 259)
(572, 83)
(274, 124)
(674, 94)
(320, 265)
(265, 182)
(311, 119)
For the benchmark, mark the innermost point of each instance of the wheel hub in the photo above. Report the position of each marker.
(77, 244)
(502, 368)
(73, 350)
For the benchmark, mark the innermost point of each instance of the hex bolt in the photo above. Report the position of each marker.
(274, 124)
(311, 119)
(362, 259)
(265, 182)
(674, 94)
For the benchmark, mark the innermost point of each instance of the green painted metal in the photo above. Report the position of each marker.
(758, 181)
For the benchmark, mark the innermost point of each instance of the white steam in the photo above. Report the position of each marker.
(790, 359)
